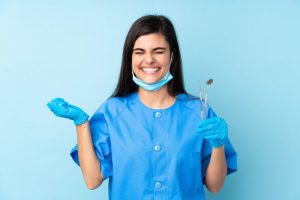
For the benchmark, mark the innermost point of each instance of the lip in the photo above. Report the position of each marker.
(149, 67)
(149, 73)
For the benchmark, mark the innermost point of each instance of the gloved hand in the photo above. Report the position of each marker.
(62, 109)
(214, 130)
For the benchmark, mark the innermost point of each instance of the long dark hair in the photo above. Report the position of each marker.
(146, 25)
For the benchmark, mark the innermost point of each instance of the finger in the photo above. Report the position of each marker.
(56, 100)
(208, 127)
(59, 109)
(222, 126)
(220, 134)
(224, 131)
(207, 133)
(212, 129)
(52, 104)
(207, 122)
(216, 126)
(63, 105)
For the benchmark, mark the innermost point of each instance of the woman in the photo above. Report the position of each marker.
(148, 137)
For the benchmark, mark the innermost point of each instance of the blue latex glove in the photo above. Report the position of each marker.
(62, 109)
(214, 130)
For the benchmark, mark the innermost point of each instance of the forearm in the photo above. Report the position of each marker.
(89, 163)
(216, 171)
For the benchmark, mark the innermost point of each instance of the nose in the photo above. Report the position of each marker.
(149, 58)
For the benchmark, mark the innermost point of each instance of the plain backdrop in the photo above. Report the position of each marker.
(72, 49)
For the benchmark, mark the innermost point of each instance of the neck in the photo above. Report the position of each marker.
(159, 99)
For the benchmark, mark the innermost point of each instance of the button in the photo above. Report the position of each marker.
(157, 185)
(157, 114)
(157, 148)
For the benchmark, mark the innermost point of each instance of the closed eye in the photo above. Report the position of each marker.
(138, 52)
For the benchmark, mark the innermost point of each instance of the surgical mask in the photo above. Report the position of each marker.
(157, 85)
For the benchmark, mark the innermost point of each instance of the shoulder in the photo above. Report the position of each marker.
(189, 100)
(113, 106)
(192, 102)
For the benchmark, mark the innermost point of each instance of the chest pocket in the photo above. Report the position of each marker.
(190, 178)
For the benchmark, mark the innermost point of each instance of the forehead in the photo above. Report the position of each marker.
(150, 41)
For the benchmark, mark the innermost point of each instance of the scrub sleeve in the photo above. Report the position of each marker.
(101, 142)
(230, 154)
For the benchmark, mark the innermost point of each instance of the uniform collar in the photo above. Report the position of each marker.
(133, 97)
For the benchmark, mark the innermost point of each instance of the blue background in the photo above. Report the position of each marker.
(72, 49)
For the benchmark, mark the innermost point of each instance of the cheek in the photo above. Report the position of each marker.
(135, 60)
(163, 59)
(134, 64)
(164, 63)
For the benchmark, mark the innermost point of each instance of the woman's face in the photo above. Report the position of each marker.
(151, 57)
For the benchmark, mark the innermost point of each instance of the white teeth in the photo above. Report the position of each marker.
(154, 69)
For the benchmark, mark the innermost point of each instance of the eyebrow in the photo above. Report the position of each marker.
(155, 49)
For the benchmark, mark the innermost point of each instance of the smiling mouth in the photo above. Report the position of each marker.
(150, 70)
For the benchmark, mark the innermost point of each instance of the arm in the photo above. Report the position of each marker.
(215, 131)
(216, 170)
(89, 163)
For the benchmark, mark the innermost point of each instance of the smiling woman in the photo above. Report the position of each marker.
(148, 138)
(151, 58)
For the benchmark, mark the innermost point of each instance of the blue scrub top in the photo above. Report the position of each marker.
(153, 153)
